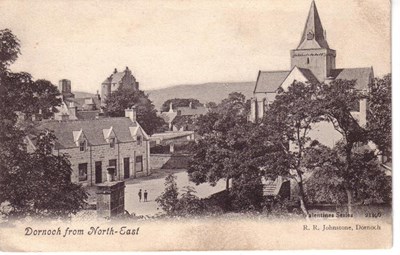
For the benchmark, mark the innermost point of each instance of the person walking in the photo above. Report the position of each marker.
(145, 196)
(140, 195)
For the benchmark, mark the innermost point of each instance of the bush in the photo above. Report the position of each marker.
(190, 204)
(168, 200)
(247, 194)
(280, 207)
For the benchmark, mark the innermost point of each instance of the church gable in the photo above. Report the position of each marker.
(298, 74)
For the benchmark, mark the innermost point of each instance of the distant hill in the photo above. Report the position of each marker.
(80, 94)
(207, 92)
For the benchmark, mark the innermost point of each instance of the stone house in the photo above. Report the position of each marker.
(96, 147)
(182, 118)
(117, 80)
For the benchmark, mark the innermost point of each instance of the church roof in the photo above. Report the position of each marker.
(363, 75)
(313, 35)
(93, 130)
(269, 81)
(309, 75)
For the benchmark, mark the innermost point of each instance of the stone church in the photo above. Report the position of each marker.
(312, 61)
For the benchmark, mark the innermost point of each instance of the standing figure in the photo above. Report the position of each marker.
(140, 195)
(145, 196)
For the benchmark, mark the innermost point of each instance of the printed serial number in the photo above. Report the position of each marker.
(373, 215)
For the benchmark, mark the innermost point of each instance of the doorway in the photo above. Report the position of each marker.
(98, 172)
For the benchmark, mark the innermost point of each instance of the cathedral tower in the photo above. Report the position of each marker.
(313, 52)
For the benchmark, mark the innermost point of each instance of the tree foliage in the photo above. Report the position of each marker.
(125, 98)
(168, 200)
(189, 204)
(379, 115)
(9, 48)
(41, 185)
(328, 181)
(287, 124)
(179, 102)
(337, 100)
(32, 184)
(226, 151)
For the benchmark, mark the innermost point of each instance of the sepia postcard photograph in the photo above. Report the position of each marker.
(195, 125)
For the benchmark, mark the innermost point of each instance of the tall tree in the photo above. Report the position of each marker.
(287, 123)
(212, 151)
(47, 97)
(38, 183)
(337, 100)
(227, 151)
(9, 48)
(124, 98)
(379, 115)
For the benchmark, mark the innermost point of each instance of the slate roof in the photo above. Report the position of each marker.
(269, 81)
(93, 130)
(87, 115)
(362, 75)
(117, 77)
(168, 117)
(80, 103)
(309, 75)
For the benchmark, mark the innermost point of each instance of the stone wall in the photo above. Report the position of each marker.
(169, 161)
(158, 160)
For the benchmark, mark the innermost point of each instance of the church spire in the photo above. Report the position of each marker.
(313, 35)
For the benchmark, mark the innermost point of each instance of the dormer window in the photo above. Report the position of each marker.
(139, 140)
(82, 145)
(112, 142)
(80, 140)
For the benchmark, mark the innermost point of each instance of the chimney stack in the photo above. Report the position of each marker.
(131, 113)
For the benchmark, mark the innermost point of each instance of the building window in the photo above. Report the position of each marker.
(139, 163)
(112, 163)
(82, 172)
(112, 142)
(139, 140)
(82, 145)
(308, 60)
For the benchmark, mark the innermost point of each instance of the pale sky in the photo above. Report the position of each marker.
(185, 42)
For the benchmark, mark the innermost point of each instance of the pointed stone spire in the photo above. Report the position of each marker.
(313, 35)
